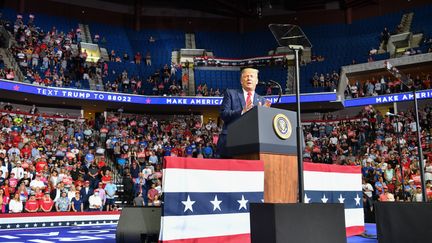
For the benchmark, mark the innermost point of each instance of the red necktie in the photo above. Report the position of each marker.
(249, 98)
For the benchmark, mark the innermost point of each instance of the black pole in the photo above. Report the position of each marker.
(400, 155)
(299, 130)
(420, 150)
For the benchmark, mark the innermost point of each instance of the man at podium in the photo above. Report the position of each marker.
(237, 102)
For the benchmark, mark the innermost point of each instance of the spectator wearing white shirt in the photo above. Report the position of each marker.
(14, 151)
(413, 126)
(147, 171)
(334, 140)
(367, 188)
(18, 170)
(15, 205)
(37, 183)
(95, 202)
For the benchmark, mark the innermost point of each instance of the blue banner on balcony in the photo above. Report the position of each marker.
(390, 98)
(141, 99)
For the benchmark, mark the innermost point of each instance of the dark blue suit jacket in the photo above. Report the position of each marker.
(85, 196)
(231, 109)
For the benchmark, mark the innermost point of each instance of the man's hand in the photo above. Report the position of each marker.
(267, 103)
(248, 106)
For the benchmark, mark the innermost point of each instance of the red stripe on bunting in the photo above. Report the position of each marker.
(331, 168)
(213, 164)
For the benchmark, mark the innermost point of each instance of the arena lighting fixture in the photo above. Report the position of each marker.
(293, 37)
(404, 78)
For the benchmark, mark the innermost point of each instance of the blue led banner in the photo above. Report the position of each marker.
(140, 99)
(383, 99)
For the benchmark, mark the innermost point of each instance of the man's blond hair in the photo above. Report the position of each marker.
(250, 70)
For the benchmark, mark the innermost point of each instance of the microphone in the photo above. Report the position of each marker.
(279, 88)
(391, 114)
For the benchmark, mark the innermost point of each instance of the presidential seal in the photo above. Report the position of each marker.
(282, 126)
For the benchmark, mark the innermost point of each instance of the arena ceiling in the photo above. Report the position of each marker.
(225, 8)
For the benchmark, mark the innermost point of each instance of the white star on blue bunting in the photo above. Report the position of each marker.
(188, 204)
(242, 203)
(357, 199)
(216, 203)
(341, 199)
(324, 199)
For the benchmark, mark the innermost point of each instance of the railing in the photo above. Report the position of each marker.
(378, 66)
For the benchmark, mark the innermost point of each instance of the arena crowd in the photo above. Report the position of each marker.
(58, 163)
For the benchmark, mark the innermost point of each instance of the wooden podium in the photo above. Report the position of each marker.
(268, 134)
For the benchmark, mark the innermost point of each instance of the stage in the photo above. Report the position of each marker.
(102, 233)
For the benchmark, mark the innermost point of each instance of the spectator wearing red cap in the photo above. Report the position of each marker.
(86, 192)
(32, 205)
(386, 196)
(417, 196)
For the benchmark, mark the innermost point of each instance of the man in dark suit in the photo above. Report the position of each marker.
(85, 193)
(237, 102)
(56, 193)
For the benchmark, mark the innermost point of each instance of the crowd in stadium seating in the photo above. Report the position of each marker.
(138, 144)
(387, 85)
(49, 59)
(52, 164)
(371, 141)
